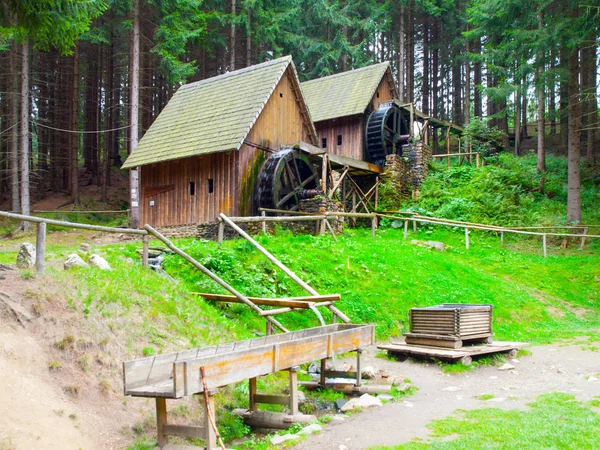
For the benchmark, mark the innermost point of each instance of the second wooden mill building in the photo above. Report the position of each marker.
(202, 154)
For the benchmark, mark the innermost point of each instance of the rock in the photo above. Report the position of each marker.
(383, 374)
(435, 245)
(311, 429)
(26, 256)
(343, 447)
(409, 404)
(452, 389)
(402, 385)
(496, 400)
(276, 440)
(85, 247)
(339, 403)
(368, 373)
(337, 419)
(592, 379)
(99, 262)
(385, 397)
(74, 260)
(314, 367)
(364, 401)
(301, 397)
(506, 366)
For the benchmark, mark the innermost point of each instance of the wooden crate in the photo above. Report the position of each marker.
(449, 325)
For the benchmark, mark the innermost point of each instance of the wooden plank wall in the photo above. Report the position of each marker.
(351, 128)
(232, 172)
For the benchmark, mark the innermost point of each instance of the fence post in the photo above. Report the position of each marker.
(544, 244)
(264, 224)
(221, 232)
(40, 247)
(467, 238)
(405, 228)
(477, 159)
(414, 226)
(145, 249)
(373, 225)
(502, 238)
(585, 230)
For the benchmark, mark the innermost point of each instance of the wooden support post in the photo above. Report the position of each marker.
(544, 242)
(40, 248)
(477, 159)
(585, 230)
(293, 371)
(221, 232)
(323, 378)
(502, 237)
(358, 368)
(269, 329)
(209, 406)
(324, 173)
(322, 227)
(145, 249)
(467, 238)
(264, 224)
(373, 226)
(448, 145)
(405, 228)
(330, 230)
(252, 393)
(354, 204)
(161, 420)
(414, 226)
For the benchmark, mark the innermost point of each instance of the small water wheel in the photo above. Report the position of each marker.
(386, 132)
(285, 178)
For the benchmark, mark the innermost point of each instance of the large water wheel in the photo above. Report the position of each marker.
(386, 132)
(285, 178)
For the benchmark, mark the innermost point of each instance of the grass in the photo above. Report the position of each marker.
(553, 421)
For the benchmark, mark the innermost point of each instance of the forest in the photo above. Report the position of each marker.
(81, 81)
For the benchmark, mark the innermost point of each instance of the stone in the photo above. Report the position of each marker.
(402, 386)
(276, 440)
(99, 262)
(343, 447)
(435, 245)
(339, 403)
(592, 379)
(385, 397)
(506, 366)
(364, 401)
(301, 397)
(409, 404)
(74, 260)
(26, 256)
(85, 247)
(311, 429)
(368, 373)
(452, 389)
(337, 419)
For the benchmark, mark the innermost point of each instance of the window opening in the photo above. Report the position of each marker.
(339, 139)
(324, 143)
(210, 186)
(192, 188)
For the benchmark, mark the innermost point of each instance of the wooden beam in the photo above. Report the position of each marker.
(289, 302)
(40, 248)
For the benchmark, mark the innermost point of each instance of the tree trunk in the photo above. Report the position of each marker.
(401, 59)
(552, 96)
(564, 100)
(25, 199)
(456, 88)
(410, 51)
(74, 137)
(134, 118)
(232, 38)
(517, 119)
(249, 38)
(91, 123)
(590, 105)
(426, 60)
(574, 149)
(13, 160)
(467, 98)
(524, 84)
(477, 100)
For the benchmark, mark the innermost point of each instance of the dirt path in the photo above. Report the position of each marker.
(550, 368)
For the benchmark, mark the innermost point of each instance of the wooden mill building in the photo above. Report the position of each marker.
(340, 104)
(202, 154)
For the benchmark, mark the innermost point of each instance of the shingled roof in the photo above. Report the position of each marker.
(212, 115)
(343, 94)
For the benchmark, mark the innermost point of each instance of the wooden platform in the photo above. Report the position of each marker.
(464, 355)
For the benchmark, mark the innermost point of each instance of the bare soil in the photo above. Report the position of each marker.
(561, 367)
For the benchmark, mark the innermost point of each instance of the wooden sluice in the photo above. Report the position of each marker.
(177, 375)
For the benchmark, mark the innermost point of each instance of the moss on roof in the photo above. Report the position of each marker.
(209, 116)
(343, 94)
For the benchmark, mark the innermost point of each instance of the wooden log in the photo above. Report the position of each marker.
(278, 263)
(252, 393)
(145, 250)
(40, 248)
(161, 420)
(257, 219)
(268, 419)
(211, 275)
(434, 342)
(290, 302)
(350, 214)
(358, 367)
(272, 399)
(184, 431)
(331, 230)
(61, 223)
(285, 211)
(212, 431)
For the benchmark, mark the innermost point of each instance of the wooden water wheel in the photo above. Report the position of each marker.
(285, 179)
(387, 130)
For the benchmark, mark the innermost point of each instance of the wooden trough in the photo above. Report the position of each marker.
(176, 375)
(450, 325)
